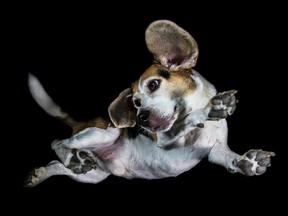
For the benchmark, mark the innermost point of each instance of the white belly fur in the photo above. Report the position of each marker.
(141, 158)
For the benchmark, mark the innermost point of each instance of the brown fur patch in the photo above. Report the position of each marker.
(135, 87)
(97, 122)
(180, 79)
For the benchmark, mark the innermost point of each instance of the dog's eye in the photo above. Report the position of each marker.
(137, 102)
(154, 84)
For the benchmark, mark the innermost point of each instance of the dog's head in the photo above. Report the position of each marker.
(168, 89)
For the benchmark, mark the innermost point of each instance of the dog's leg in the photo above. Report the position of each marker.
(74, 152)
(253, 162)
(38, 175)
(194, 120)
(89, 137)
(220, 106)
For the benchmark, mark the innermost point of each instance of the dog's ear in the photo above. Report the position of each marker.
(171, 45)
(122, 111)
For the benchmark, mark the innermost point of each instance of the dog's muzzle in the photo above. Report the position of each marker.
(155, 123)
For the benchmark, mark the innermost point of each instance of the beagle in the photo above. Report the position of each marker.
(164, 124)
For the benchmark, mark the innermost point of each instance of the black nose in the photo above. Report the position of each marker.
(143, 117)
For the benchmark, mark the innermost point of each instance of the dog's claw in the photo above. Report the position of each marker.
(200, 125)
(28, 179)
(223, 105)
(34, 177)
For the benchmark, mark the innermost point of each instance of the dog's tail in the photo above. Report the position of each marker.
(45, 101)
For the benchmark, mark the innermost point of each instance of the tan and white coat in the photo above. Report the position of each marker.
(164, 124)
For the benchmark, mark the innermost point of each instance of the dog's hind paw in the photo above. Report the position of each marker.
(81, 162)
(254, 162)
(34, 177)
(222, 105)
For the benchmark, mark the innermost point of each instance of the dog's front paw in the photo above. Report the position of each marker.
(222, 105)
(254, 162)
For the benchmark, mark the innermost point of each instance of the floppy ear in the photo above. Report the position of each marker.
(171, 45)
(122, 111)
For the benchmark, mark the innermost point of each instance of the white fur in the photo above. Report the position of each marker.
(141, 157)
(189, 133)
(43, 99)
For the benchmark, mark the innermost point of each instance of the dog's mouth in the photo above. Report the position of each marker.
(162, 124)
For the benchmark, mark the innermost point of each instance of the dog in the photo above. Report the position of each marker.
(164, 124)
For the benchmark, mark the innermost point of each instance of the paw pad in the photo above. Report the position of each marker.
(223, 105)
(81, 162)
(254, 162)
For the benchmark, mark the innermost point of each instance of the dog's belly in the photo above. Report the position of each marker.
(142, 158)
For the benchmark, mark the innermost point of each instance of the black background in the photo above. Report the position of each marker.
(84, 59)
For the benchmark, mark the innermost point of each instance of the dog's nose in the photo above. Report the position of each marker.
(143, 117)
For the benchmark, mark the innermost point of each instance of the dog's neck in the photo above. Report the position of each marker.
(137, 130)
